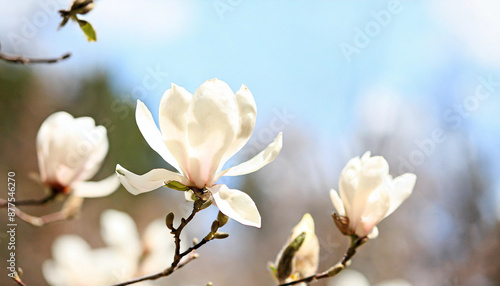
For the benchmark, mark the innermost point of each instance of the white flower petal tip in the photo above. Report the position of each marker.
(337, 202)
(236, 205)
(101, 188)
(265, 157)
(368, 194)
(137, 184)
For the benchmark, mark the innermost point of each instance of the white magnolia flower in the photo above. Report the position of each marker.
(125, 256)
(70, 152)
(199, 133)
(306, 259)
(368, 193)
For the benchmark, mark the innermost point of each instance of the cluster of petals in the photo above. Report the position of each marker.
(70, 152)
(198, 134)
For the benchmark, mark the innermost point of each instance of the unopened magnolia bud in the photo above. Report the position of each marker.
(335, 270)
(195, 241)
(222, 219)
(210, 284)
(221, 235)
(174, 185)
(285, 265)
(169, 220)
(214, 227)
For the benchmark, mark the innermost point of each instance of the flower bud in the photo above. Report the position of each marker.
(221, 235)
(169, 220)
(222, 219)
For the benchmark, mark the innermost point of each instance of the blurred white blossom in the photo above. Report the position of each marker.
(70, 152)
(305, 259)
(125, 256)
(199, 133)
(355, 278)
(368, 194)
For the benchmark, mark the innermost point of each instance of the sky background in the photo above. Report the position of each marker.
(342, 77)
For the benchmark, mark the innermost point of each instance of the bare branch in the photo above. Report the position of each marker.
(31, 202)
(25, 60)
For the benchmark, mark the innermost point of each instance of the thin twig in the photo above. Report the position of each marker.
(25, 60)
(30, 202)
(176, 264)
(337, 268)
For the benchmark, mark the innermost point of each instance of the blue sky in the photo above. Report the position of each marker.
(427, 57)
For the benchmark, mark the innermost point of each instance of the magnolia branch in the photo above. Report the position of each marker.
(337, 268)
(71, 209)
(17, 59)
(178, 256)
(30, 202)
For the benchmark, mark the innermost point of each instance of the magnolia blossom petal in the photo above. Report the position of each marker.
(374, 233)
(152, 180)
(373, 172)
(348, 183)
(247, 116)
(118, 230)
(337, 202)
(402, 187)
(236, 205)
(44, 137)
(173, 123)
(213, 122)
(152, 135)
(265, 157)
(101, 188)
(374, 211)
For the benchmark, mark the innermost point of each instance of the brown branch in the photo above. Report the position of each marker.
(71, 209)
(178, 256)
(337, 268)
(30, 202)
(25, 60)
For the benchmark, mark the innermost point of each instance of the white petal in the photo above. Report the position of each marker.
(348, 183)
(374, 233)
(152, 180)
(173, 123)
(236, 205)
(376, 207)
(152, 135)
(337, 202)
(44, 136)
(118, 230)
(402, 187)
(247, 116)
(265, 157)
(212, 127)
(101, 188)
